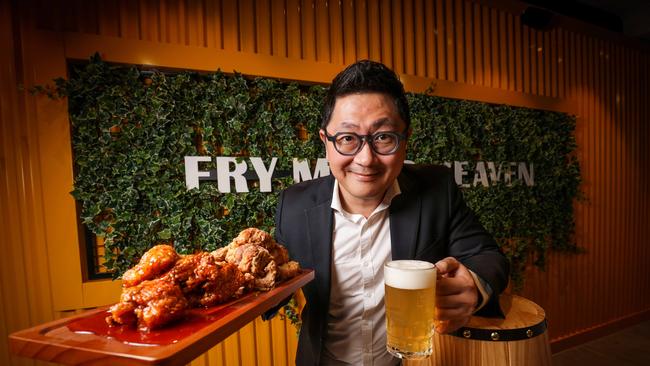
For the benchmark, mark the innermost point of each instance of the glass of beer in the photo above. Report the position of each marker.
(410, 307)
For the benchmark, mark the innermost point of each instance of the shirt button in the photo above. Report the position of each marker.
(366, 264)
(368, 294)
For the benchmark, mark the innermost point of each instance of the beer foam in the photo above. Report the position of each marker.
(410, 274)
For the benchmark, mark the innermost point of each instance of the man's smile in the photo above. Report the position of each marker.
(365, 176)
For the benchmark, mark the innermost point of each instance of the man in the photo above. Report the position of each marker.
(372, 209)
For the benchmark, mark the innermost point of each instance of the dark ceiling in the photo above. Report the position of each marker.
(630, 17)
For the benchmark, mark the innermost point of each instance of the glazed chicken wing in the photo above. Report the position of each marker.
(155, 261)
(122, 313)
(183, 273)
(222, 281)
(150, 304)
(205, 281)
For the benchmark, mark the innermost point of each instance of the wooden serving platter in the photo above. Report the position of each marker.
(86, 339)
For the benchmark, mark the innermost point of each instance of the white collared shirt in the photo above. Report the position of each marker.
(356, 322)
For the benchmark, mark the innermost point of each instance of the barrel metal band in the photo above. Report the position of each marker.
(501, 335)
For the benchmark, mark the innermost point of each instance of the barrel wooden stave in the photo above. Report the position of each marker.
(521, 314)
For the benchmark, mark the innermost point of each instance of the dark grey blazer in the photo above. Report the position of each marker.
(428, 220)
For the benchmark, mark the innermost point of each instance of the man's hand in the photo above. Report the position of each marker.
(456, 295)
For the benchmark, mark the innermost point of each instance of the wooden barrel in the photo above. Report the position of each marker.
(519, 339)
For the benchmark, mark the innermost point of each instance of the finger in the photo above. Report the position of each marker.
(452, 313)
(453, 307)
(454, 303)
(466, 300)
(449, 286)
(447, 265)
(463, 301)
(454, 285)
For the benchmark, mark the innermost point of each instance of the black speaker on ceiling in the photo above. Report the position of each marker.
(537, 18)
(540, 14)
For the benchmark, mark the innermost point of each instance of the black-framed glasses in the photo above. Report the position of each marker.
(382, 143)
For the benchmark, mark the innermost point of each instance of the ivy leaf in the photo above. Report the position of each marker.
(165, 234)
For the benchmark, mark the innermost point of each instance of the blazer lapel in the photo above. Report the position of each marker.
(404, 220)
(319, 224)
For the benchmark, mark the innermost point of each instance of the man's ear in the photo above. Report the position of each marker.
(322, 136)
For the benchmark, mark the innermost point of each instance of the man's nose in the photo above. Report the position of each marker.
(365, 155)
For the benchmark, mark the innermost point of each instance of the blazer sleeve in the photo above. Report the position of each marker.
(473, 246)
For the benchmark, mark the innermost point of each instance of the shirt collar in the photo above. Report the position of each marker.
(393, 190)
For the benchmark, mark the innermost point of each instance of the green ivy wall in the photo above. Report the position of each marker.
(131, 130)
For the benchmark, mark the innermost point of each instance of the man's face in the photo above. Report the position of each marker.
(365, 177)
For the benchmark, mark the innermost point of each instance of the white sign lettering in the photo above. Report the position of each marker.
(264, 174)
(301, 169)
(192, 173)
(228, 170)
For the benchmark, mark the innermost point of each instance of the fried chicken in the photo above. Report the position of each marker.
(253, 236)
(122, 313)
(164, 285)
(150, 304)
(205, 281)
(263, 239)
(257, 261)
(279, 253)
(256, 253)
(194, 280)
(223, 281)
(182, 273)
(154, 262)
(288, 270)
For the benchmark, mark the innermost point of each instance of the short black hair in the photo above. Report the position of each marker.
(366, 76)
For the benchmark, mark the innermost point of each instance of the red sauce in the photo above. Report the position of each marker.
(195, 320)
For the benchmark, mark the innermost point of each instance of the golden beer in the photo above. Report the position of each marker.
(410, 307)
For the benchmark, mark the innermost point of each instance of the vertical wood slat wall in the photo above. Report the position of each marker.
(470, 44)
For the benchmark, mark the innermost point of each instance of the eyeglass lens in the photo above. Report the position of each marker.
(381, 142)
